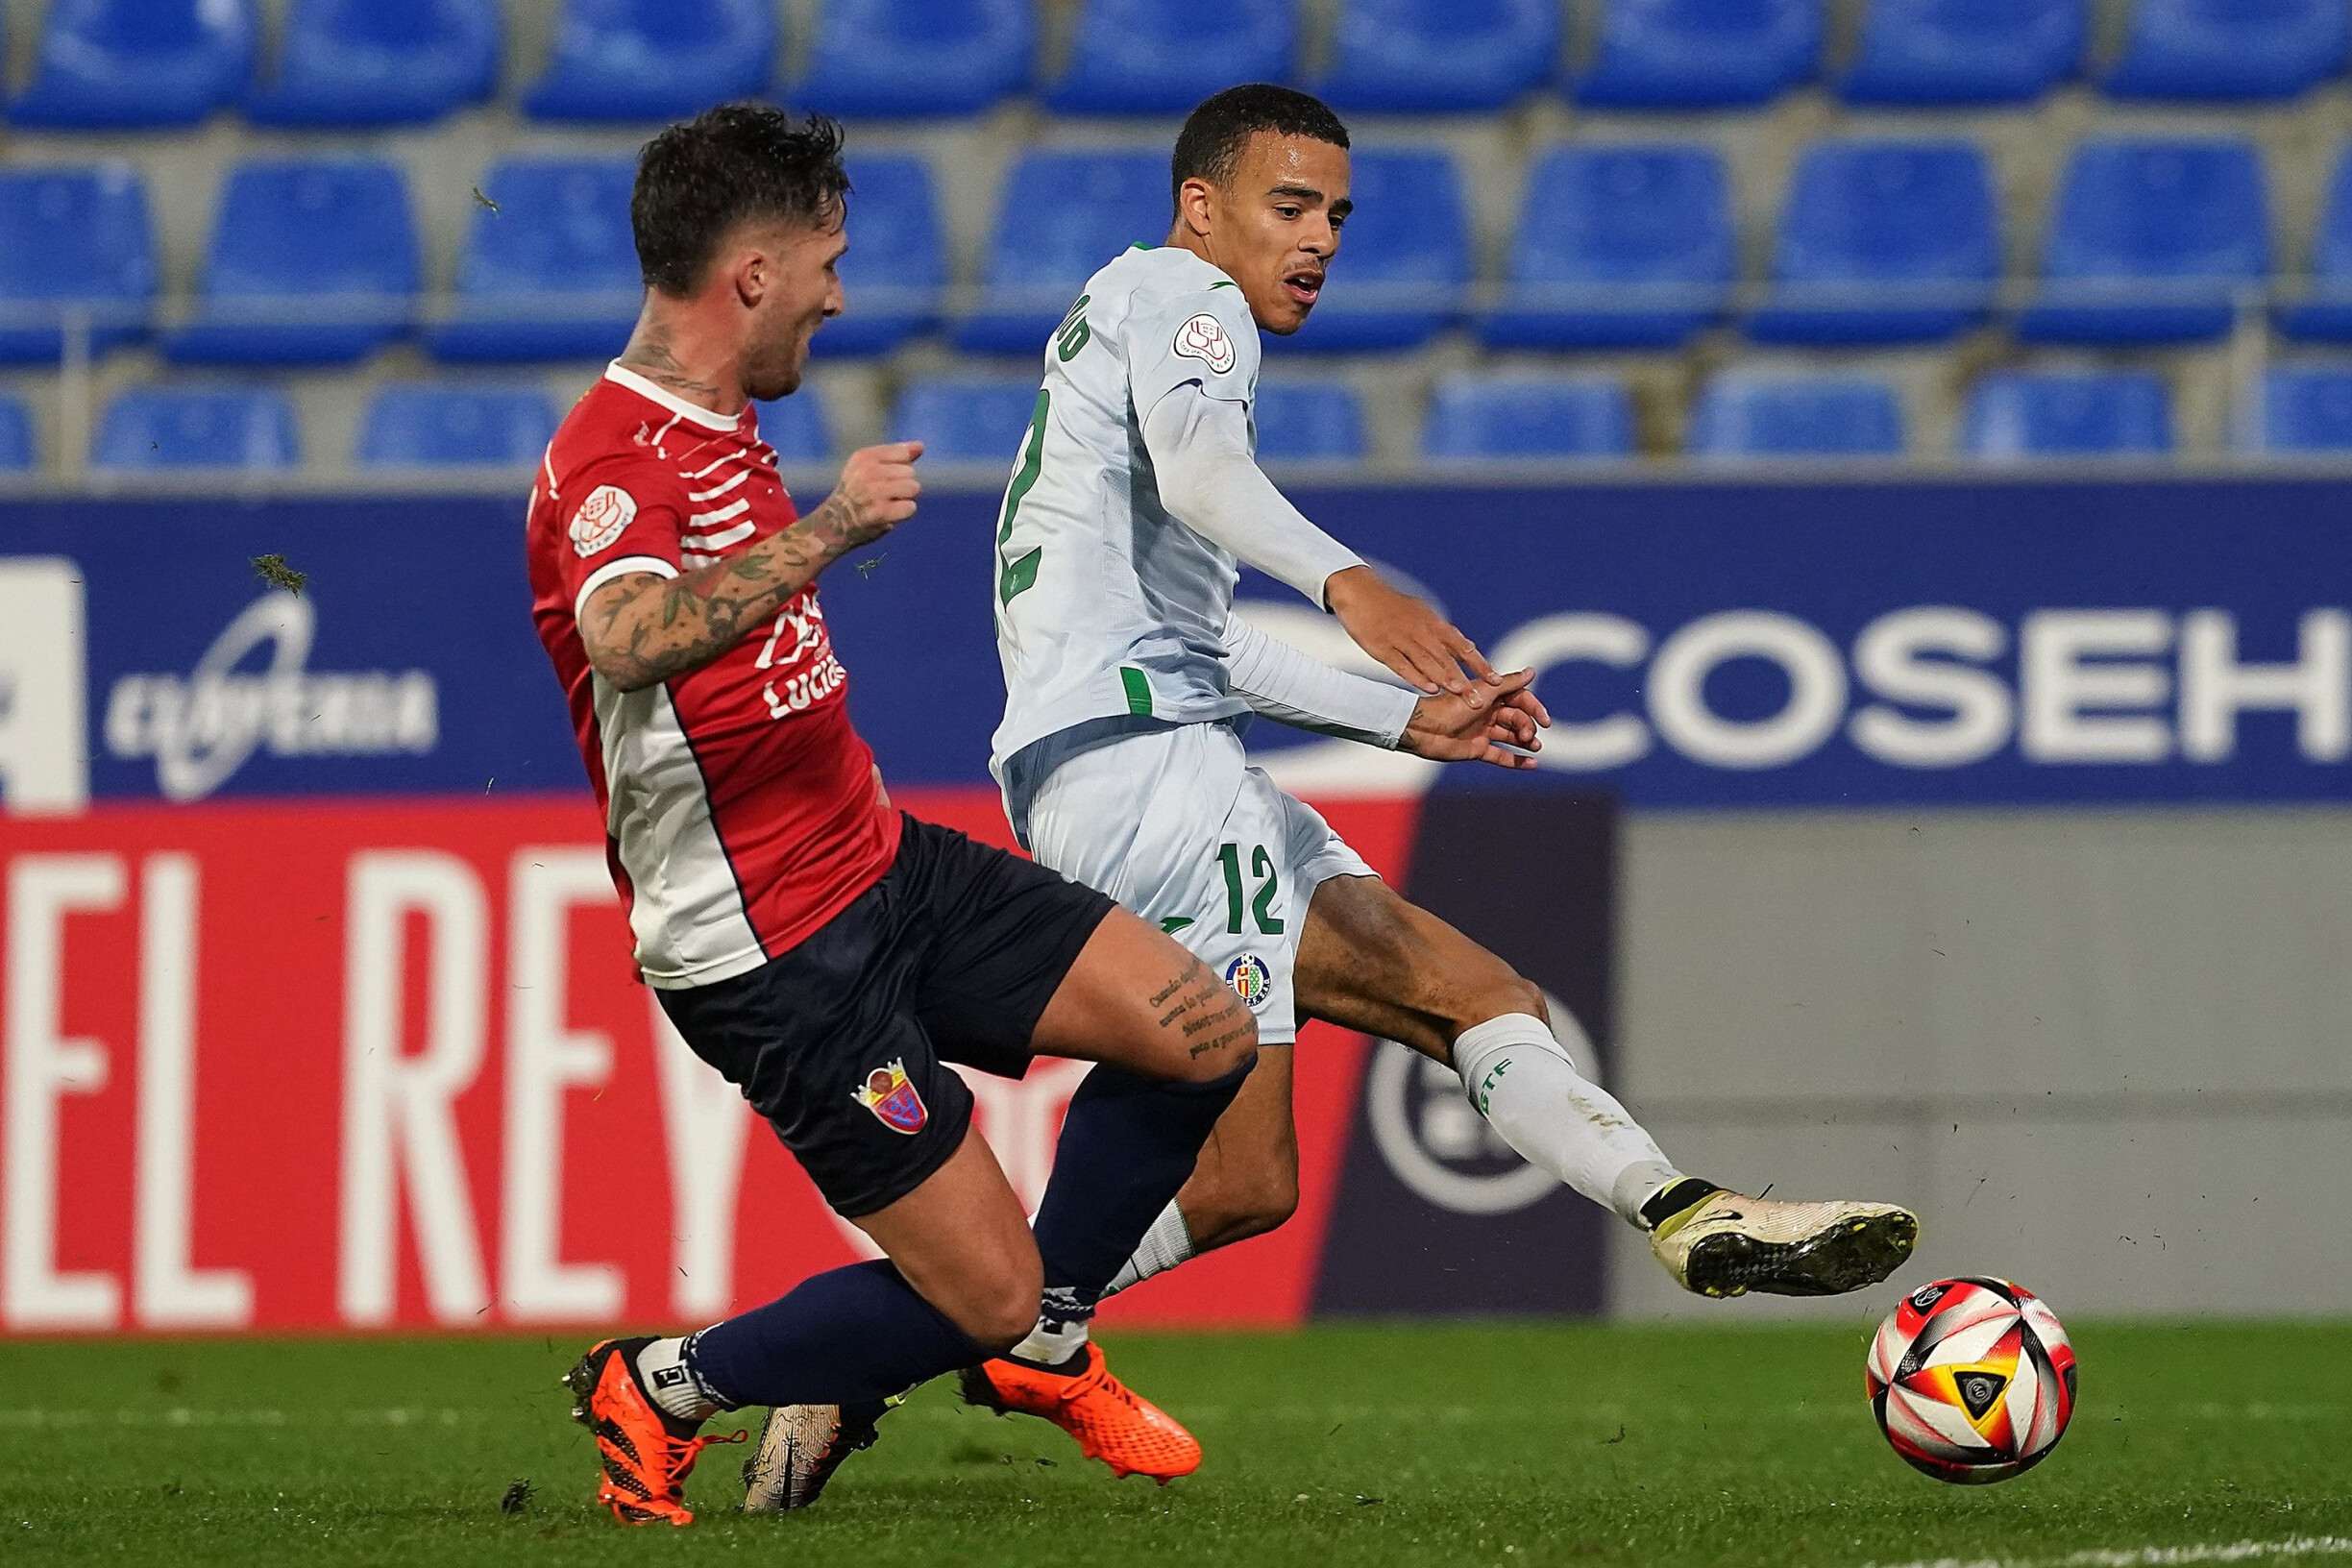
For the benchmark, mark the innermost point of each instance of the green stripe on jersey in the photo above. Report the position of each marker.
(1139, 690)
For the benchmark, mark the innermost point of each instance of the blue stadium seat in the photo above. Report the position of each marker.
(549, 271)
(2325, 313)
(456, 425)
(153, 428)
(1701, 54)
(1965, 52)
(964, 419)
(1161, 56)
(796, 427)
(1529, 417)
(1751, 415)
(896, 262)
(68, 237)
(654, 60)
(2230, 49)
(1404, 262)
(2306, 409)
(1884, 242)
(917, 58)
(2014, 415)
(1064, 215)
(313, 261)
(1306, 422)
(2149, 242)
(15, 437)
(136, 63)
(357, 63)
(1618, 247)
(1436, 57)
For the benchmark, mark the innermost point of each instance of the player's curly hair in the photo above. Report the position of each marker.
(698, 180)
(1210, 145)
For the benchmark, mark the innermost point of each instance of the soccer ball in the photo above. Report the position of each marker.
(1973, 1381)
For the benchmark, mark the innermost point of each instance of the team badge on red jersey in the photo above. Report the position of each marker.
(601, 518)
(891, 1095)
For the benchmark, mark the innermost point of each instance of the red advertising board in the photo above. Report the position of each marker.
(353, 1064)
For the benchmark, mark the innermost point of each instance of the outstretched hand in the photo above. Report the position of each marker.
(1409, 637)
(1448, 728)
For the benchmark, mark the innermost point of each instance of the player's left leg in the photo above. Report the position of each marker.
(1245, 1182)
(1368, 960)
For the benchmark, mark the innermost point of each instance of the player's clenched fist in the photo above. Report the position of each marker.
(877, 490)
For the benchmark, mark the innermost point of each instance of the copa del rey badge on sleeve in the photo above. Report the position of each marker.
(890, 1094)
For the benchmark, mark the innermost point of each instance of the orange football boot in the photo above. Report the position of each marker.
(646, 1459)
(1112, 1422)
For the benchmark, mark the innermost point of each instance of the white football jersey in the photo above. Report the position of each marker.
(1110, 613)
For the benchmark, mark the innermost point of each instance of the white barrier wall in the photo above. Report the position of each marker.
(2108, 1054)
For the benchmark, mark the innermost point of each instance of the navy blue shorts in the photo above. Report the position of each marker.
(842, 1043)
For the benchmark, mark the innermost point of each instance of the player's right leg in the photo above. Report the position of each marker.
(1371, 960)
(835, 1042)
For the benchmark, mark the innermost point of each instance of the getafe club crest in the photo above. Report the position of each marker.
(1250, 979)
(890, 1094)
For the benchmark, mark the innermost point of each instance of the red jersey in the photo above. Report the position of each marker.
(742, 810)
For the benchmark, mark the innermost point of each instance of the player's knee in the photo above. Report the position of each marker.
(1226, 1044)
(1230, 1061)
(1492, 995)
(1270, 1202)
(1524, 995)
(1232, 1202)
(999, 1312)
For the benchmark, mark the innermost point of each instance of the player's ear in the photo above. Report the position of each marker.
(753, 276)
(1194, 205)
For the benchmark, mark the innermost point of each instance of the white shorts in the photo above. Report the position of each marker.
(1177, 826)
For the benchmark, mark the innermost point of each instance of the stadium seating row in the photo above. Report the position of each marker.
(359, 63)
(2009, 416)
(318, 261)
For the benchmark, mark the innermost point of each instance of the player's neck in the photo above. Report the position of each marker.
(675, 353)
(1181, 238)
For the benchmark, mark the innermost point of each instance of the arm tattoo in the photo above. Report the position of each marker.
(642, 630)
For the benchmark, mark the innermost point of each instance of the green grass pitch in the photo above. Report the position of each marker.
(1506, 1444)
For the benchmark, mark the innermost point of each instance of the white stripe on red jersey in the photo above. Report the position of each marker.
(741, 809)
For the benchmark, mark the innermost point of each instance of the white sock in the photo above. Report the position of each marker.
(1051, 1342)
(1168, 1243)
(1530, 1092)
(1056, 1339)
(661, 1366)
(1061, 1331)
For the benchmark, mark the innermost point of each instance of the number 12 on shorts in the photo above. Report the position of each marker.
(1269, 887)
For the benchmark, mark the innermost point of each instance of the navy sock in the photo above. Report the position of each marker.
(1127, 1143)
(850, 1335)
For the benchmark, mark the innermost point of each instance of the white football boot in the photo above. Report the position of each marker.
(1727, 1244)
(799, 1447)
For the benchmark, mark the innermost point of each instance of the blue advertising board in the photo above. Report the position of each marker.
(1701, 645)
